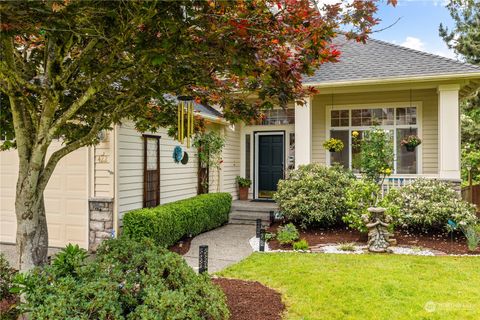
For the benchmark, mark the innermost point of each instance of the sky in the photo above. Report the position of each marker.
(418, 25)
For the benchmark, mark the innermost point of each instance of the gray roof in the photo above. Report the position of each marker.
(380, 60)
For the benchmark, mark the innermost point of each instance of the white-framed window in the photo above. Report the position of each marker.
(400, 119)
(277, 116)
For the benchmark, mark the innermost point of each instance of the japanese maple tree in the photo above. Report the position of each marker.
(71, 68)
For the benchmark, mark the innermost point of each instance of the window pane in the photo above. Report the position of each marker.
(247, 156)
(339, 118)
(277, 117)
(407, 116)
(291, 152)
(342, 156)
(356, 152)
(406, 161)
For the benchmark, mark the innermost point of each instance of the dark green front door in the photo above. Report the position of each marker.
(270, 163)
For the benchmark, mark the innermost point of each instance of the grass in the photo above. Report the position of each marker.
(334, 286)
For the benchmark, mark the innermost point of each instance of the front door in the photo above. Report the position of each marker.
(270, 161)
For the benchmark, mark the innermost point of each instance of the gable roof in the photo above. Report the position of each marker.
(377, 60)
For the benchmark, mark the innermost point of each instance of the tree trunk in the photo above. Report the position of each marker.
(32, 233)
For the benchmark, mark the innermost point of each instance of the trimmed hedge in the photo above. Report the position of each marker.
(168, 223)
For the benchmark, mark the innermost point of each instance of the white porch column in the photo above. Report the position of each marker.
(303, 133)
(448, 132)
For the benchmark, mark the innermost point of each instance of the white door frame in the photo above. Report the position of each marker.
(255, 155)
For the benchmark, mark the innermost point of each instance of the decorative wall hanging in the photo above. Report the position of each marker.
(185, 119)
(177, 154)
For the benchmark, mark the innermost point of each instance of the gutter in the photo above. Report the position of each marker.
(393, 80)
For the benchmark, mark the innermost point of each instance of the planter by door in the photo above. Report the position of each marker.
(410, 148)
(243, 193)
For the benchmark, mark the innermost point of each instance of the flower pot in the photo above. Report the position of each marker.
(331, 150)
(410, 148)
(243, 193)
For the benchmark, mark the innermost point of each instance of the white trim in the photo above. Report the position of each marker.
(395, 105)
(303, 132)
(255, 138)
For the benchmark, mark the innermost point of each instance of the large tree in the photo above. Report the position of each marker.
(72, 68)
(464, 38)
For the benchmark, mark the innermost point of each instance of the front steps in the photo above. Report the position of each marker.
(247, 212)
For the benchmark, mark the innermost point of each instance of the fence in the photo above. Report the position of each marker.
(472, 195)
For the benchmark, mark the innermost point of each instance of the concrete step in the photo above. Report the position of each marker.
(248, 221)
(254, 207)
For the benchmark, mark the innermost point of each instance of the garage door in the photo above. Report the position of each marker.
(66, 199)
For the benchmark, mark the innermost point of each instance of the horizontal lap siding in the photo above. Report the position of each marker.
(177, 181)
(103, 166)
(429, 100)
(231, 158)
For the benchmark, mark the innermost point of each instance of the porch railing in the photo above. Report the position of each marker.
(395, 182)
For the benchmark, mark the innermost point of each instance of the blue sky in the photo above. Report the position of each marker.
(418, 25)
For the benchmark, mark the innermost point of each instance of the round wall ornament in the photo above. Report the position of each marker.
(185, 158)
(177, 154)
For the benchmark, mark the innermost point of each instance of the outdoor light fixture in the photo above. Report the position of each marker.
(259, 227)
(202, 259)
(262, 240)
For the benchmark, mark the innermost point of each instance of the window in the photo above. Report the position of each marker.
(277, 117)
(400, 121)
(247, 156)
(291, 151)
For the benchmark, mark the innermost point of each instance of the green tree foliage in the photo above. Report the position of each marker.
(73, 68)
(464, 38)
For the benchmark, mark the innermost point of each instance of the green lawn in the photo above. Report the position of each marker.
(323, 286)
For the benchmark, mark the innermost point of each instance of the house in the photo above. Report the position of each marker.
(404, 91)
(93, 187)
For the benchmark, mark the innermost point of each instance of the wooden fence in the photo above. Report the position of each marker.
(472, 195)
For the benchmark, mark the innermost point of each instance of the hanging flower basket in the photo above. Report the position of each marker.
(411, 142)
(333, 145)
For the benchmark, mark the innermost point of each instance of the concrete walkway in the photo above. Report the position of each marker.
(227, 245)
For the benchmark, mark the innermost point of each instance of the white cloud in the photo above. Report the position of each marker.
(447, 54)
(413, 43)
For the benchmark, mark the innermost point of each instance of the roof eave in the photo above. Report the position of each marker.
(393, 80)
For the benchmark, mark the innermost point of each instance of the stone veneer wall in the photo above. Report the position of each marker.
(100, 222)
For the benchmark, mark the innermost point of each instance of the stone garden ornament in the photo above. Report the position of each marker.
(378, 234)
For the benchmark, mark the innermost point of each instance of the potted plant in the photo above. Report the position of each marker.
(243, 186)
(333, 145)
(411, 142)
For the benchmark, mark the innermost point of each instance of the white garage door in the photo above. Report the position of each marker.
(66, 199)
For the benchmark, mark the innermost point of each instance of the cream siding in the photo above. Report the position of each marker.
(231, 158)
(177, 181)
(103, 167)
(428, 98)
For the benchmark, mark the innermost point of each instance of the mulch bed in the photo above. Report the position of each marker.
(248, 300)
(439, 242)
(182, 246)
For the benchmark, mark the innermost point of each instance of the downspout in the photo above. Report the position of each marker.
(115, 181)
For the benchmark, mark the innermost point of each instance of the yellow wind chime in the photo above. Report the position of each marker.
(185, 108)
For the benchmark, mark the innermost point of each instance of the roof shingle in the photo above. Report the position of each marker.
(379, 60)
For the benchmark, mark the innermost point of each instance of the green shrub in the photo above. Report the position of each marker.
(287, 234)
(472, 234)
(168, 223)
(126, 280)
(427, 205)
(347, 246)
(361, 195)
(314, 195)
(300, 245)
(69, 259)
(8, 299)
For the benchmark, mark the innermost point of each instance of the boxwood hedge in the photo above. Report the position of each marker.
(168, 223)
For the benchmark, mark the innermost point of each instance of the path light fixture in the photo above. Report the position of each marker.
(262, 240)
(202, 259)
(259, 227)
